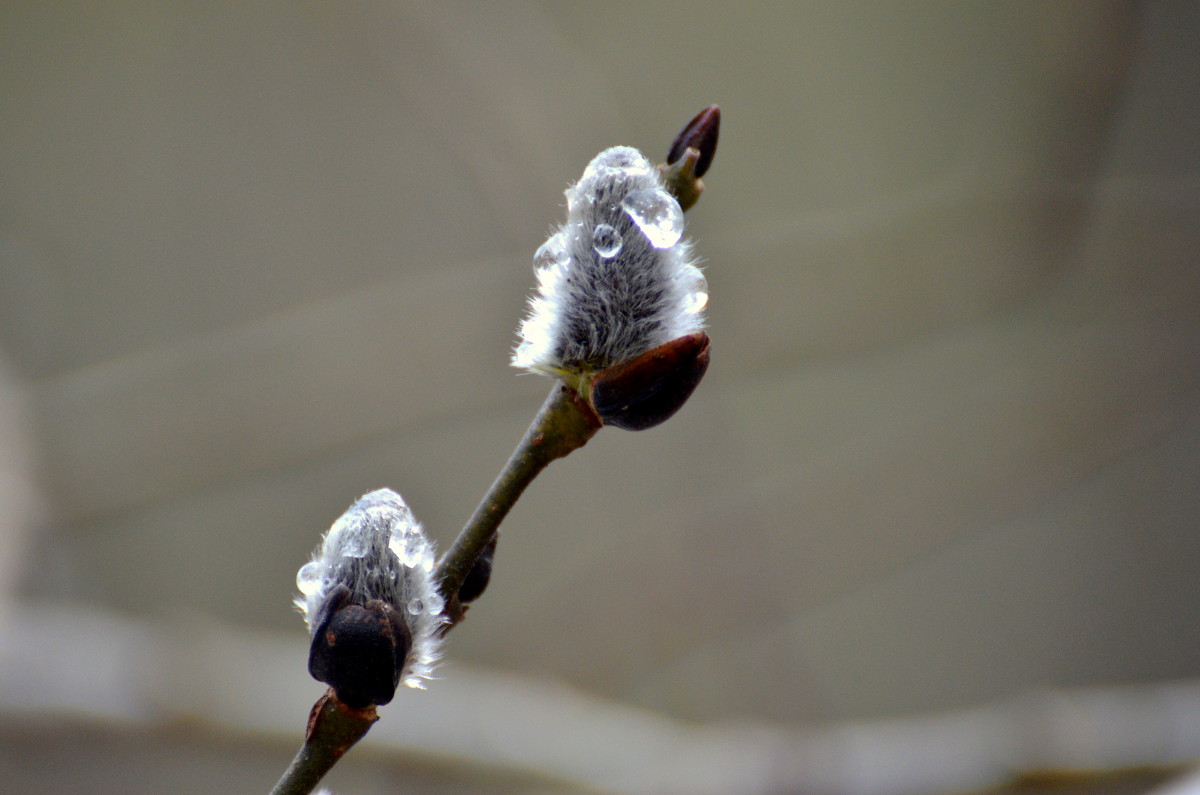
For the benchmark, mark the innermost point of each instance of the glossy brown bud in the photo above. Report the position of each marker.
(647, 390)
(359, 650)
(700, 134)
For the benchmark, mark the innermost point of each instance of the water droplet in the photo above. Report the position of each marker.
(404, 545)
(549, 261)
(607, 241)
(696, 288)
(616, 162)
(416, 607)
(308, 579)
(552, 252)
(436, 604)
(354, 545)
(657, 214)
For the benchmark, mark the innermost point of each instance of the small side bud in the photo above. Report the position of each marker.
(649, 389)
(477, 579)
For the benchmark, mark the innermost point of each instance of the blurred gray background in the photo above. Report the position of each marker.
(931, 519)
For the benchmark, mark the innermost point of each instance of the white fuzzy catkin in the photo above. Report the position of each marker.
(378, 550)
(615, 280)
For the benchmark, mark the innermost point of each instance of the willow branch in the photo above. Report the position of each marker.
(564, 423)
(333, 728)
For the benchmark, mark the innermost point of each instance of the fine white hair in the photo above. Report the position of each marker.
(378, 550)
(616, 279)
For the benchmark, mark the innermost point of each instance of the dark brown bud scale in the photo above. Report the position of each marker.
(359, 650)
(650, 388)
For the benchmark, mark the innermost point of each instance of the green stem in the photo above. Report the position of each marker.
(681, 180)
(564, 423)
(333, 728)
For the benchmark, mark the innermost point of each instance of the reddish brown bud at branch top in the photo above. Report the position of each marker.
(690, 156)
(700, 134)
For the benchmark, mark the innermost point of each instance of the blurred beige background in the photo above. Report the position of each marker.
(931, 519)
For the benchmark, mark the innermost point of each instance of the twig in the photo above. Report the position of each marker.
(333, 728)
(564, 423)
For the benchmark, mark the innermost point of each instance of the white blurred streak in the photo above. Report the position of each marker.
(74, 662)
(71, 662)
(1188, 785)
(20, 505)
